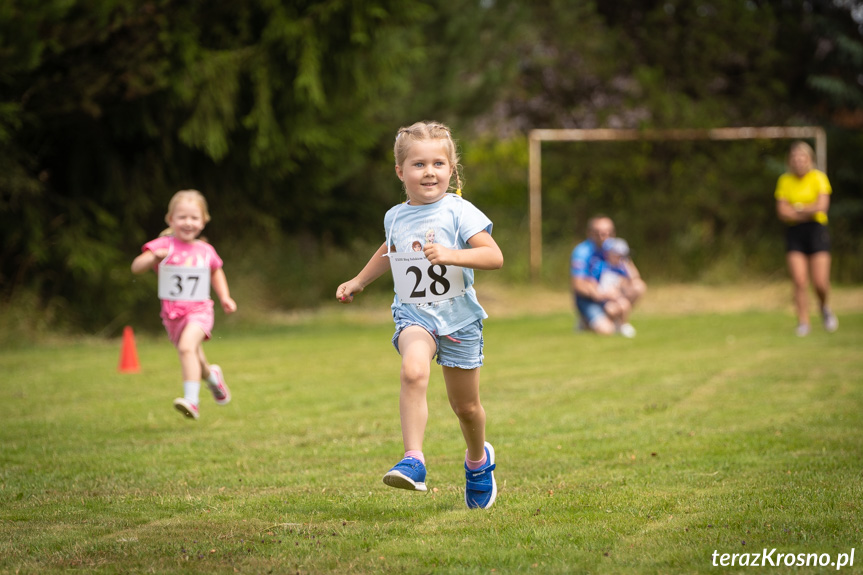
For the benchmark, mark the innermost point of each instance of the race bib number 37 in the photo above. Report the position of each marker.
(182, 283)
(418, 281)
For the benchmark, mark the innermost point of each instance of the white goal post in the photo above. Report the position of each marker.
(536, 137)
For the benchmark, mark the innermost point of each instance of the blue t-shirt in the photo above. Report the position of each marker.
(586, 262)
(451, 222)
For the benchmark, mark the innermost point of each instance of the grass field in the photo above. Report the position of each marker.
(715, 430)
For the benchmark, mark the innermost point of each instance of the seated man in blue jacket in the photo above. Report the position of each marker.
(602, 311)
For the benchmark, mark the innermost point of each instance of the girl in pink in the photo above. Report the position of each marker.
(187, 267)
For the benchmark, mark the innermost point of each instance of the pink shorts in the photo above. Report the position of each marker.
(203, 318)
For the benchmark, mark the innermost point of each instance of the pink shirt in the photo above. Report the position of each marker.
(196, 254)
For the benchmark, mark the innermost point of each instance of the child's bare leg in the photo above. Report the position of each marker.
(188, 350)
(417, 349)
(613, 310)
(625, 310)
(462, 386)
(205, 366)
(603, 325)
(634, 289)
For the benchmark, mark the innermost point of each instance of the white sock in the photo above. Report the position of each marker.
(212, 378)
(191, 391)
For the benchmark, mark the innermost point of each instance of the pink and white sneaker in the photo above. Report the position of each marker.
(220, 391)
(186, 407)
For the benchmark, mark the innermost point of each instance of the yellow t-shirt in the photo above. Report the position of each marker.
(804, 190)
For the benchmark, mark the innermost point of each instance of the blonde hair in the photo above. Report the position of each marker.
(423, 131)
(801, 145)
(185, 195)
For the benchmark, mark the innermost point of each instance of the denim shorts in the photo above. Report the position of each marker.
(590, 310)
(461, 349)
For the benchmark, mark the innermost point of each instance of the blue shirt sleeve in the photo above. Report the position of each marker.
(473, 221)
(579, 263)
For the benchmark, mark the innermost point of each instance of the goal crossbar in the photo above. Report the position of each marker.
(536, 137)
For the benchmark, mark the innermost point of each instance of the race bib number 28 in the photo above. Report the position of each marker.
(183, 283)
(418, 281)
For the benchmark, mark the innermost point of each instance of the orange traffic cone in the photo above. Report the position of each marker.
(128, 353)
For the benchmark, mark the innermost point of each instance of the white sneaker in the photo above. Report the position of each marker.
(220, 391)
(186, 407)
(626, 330)
(802, 330)
(831, 324)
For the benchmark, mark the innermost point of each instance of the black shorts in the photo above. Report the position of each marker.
(808, 237)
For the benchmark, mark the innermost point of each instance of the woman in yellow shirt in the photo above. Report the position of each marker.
(802, 199)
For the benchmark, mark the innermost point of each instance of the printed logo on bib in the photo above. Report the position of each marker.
(184, 283)
(418, 281)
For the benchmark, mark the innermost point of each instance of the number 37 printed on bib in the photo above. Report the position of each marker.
(418, 281)
(182, 283)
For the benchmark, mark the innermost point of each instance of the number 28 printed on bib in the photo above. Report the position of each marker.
(418, 281)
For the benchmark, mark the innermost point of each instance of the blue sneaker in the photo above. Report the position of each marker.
(409, 473)
(481, 488)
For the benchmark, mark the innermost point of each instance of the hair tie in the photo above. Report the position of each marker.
(458, 192)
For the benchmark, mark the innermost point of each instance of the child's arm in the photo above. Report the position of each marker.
(483, 255)
(220, 286)
(145, 262)
(632, 272)
(377, 266)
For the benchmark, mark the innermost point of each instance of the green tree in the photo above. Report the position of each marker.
(686, 64)
(283, 113)
(107, 108)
